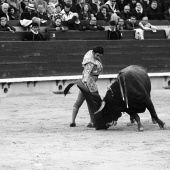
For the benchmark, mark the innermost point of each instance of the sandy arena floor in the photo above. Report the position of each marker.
(35, 135)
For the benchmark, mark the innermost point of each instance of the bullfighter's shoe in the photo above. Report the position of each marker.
(72, 124)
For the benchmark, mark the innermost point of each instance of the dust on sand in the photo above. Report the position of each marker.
(35, 135)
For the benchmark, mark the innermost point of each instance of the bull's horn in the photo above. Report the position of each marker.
(101, 107)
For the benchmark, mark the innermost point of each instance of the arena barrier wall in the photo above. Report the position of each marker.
(63, 58)
(101, 35)
(51, 65)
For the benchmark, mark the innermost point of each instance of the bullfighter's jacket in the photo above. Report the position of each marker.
(92, 69)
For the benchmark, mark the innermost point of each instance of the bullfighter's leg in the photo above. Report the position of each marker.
(154, 116)
(76, 107)
(137, 119)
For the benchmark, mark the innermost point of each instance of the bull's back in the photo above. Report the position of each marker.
(136, 77)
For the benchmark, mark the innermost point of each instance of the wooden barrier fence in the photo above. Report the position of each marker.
(64, 57)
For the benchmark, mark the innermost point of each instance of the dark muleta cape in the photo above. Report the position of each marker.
(93, 101)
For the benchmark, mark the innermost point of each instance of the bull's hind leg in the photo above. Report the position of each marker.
(154, 116)
(132, 119)
(137, 118)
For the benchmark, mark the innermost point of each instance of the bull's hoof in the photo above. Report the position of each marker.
(90, 125)
(109, 125)
(140, 128)
(132, 121)
(130, 124)
(154, 121)
(114, 123)
(162, 126)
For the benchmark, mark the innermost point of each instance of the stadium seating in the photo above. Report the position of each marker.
(78, 35)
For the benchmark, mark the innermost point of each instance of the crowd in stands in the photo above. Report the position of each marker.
(83, 14)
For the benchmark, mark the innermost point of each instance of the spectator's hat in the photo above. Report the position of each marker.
(3, 18)
(98, 49)
(31, 6)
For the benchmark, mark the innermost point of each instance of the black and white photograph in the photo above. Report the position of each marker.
(85, 84)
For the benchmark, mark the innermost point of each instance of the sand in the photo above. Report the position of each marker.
(35, 135)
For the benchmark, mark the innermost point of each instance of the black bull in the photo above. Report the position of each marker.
(129, 93)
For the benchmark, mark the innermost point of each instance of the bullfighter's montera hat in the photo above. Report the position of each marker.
(98, 49)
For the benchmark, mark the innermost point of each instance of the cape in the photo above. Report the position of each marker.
(93, 101)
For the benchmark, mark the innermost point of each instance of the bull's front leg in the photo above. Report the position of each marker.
(137, 118)
(153, 114)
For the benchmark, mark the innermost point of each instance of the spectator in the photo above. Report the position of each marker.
(58, 13)
(14, 3)
(121, 5)
(154, 12)
(138, 12)
(132, 24)
(76, 24)
(23, 4)
(51, 12)
(67, 14)
(53, 3)
(57, 25)
(113, 33)
(79, 6)
(13, 14)
(95, 6)
(27, 15)
(5, 27)
(167, 14)
(145, 4)
(71, 3)
(132, 5)
(40, 2)
(113, 10)
(93, 25)
(41, 14)
(85, 14)
(145, 25)
(121, 24)
(125, 14)
(1, 2)
(103, 14)
(4, 11)
(112, 6)
(34, 34)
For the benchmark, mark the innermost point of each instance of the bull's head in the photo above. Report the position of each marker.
(111, 104)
